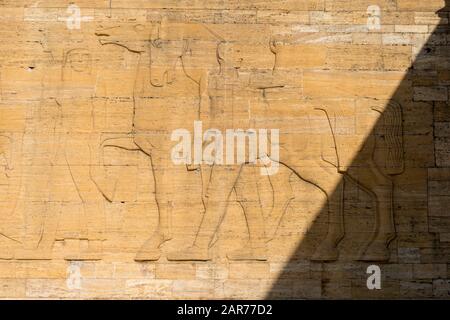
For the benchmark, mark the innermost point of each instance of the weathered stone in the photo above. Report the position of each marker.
(111, 186)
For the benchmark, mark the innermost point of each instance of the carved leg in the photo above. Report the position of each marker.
(150, 251)
(328, 249)
(282, 197)
(327, 179)
(378, 249)
(248, 197)
(97, 169)
(42, 224)
(380, 187)
(92, 222)
(205, 171)
(222, 182)
(127, 143)
(92, 229)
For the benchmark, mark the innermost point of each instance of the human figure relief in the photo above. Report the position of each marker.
(72, 129)
(303, 146)
(175, 86)
(378, 161)
(173, 53)
(231, 95)
(312, 149)
(330, 143)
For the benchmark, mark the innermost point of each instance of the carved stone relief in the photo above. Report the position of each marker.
(177, 139)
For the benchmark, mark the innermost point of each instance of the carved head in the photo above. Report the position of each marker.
(163, 42)
(133, 36)
(79, 60)
(230, 56)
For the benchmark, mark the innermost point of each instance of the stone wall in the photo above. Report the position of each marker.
(93, 206)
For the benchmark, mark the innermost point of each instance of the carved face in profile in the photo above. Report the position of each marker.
(79, 60)
(231, 56)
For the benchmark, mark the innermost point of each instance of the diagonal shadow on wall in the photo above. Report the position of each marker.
(408, 143)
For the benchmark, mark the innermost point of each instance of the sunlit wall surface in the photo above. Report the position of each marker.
(224, 149)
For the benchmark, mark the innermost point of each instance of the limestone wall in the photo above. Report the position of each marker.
(93, 204)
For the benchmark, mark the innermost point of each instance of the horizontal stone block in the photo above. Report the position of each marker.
(442, 152)
(412, 5)
(321, 71)
(416, 289)
(328, 84)
(217, 4)
(359, 5)
(411, 29)
(441, 288)
(430, 271)
(430, 94)
(171, 271)
(253, 270)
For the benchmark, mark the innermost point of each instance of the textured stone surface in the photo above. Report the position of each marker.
(93, 206)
